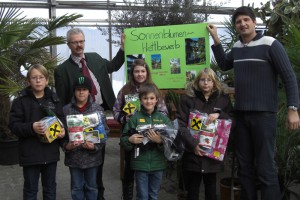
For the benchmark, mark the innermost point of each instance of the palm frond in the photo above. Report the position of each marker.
(62, 21)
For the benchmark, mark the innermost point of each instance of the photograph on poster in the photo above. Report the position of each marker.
(195, 51)
(156, 61)
(175, 66)
(190, 75)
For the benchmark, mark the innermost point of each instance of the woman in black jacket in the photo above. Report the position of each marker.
(36, 157)
(205, 95)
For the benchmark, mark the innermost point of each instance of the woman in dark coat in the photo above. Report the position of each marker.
(205, 95)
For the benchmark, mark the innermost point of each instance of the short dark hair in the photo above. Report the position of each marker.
(149, 88)
(244, 10)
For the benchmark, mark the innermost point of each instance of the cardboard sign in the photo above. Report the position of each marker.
(175, 54)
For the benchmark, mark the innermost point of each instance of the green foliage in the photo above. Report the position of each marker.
(227, 42)
(291, 43)
(277, 16)
(287, 153)
(24, 42)
(172, 100)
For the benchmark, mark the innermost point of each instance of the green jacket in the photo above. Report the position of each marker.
(151, 159)
(68, 71)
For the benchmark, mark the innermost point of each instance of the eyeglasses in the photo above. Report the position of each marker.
(203, 80)
(81, 42)
(41, 78)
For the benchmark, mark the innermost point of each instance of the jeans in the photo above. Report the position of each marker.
(148, 184)
(255, 150)
(192, 181)
(31, 176)
(83, 183)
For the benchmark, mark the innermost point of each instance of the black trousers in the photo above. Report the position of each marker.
(192, 181)
(255, 150)
(99, 177)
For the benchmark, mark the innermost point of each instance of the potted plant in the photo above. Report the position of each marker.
(23, 42)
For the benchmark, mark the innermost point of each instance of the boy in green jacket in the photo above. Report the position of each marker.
(148, 159)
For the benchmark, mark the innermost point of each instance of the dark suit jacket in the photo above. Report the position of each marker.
(68, 71)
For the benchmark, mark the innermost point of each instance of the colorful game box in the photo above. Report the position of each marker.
(212, 137)
(53, 127)
(75, 127)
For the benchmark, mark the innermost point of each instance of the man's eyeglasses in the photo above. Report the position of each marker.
(81, 42)
(203, 80)
(41, 78)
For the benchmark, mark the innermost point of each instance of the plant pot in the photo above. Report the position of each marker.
(225, 188)
(9, 152)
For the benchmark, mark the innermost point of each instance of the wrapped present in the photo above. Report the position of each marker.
(75, 128)
(213, 137)
(53, 128)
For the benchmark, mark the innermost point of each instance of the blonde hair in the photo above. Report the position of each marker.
(195, 83)
(40, 68)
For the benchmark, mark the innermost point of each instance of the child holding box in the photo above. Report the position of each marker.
(148, 159)
(205, 95)
(32, 105)
(83, 157)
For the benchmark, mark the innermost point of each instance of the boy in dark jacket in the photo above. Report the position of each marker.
(83, 159)
(147, 160)
(33, 104)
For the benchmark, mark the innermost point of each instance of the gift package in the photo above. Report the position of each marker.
(89, 127)
(53, 128)
(75, 128)
(213, 137)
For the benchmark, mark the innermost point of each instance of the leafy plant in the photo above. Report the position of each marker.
(287, 155)
(172, 100)
(24, 42)
(227, 42)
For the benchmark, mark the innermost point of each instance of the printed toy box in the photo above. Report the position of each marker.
(75, 127)
(53, 128)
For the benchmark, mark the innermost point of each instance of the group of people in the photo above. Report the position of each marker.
(83, 86)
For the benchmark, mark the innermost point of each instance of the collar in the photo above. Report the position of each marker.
(201, 96)
(28, 92)
(259, 34)
(77, 59)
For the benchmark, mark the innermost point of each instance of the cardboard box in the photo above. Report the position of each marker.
(53, 128)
